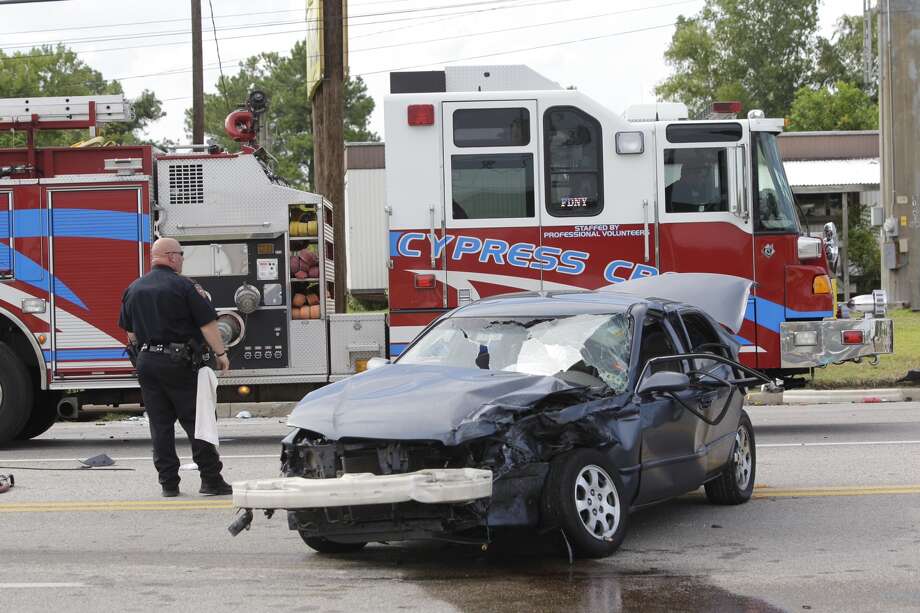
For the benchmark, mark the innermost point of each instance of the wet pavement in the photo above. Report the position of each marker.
(834, 526)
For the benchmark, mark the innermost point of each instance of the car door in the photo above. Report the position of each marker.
(717, 438)
(672, 459)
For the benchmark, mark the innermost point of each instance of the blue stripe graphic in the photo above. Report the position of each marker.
(76, 355)
(770, 315)
(397, 348)
(79, 223)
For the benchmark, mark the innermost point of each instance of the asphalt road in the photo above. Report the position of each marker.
(834, 526)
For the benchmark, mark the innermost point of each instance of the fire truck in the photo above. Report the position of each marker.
(76, 225)
(500, 180)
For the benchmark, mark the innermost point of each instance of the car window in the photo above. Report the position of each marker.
(587, 349)
(703, 338)
(656, 342)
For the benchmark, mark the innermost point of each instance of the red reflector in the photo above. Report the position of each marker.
(726, 107)
(421, 114)
(853, 337)
(424, 281)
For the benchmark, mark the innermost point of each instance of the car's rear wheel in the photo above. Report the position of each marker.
(584, 496)
(324, 545)
(736, 483)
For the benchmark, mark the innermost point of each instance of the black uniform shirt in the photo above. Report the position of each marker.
(164, 307)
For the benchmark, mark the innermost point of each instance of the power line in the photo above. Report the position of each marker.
(217, 45)
(503, 52)
(249, 26)
(184, 70)
(404, 19)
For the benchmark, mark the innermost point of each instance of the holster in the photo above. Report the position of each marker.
(132, 351)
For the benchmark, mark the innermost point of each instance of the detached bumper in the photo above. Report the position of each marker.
(430, 486)
(805, 344)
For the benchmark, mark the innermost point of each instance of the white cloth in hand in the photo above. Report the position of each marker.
(206, 407)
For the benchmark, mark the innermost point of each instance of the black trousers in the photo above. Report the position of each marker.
(169, 391)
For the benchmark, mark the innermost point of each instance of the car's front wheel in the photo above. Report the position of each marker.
(736, 483)
(324, 545)
(584, 496)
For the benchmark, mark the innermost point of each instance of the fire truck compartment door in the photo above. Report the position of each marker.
(6, 225)
(97, 245)
(486, 234)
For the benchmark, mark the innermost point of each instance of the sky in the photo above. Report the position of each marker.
(612, 50)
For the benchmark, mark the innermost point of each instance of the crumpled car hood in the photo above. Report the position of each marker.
(416, 402)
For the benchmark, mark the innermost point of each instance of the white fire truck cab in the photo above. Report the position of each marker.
(500, 180)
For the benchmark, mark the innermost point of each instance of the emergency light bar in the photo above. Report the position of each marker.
(733, 107)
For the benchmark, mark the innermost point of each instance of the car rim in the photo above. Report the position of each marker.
(597, 502)
(743, 459)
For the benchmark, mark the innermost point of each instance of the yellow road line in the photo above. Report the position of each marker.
(760, 491)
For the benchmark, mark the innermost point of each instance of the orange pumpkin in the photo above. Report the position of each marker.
(312, 299)
(299, 300)
(314, 311)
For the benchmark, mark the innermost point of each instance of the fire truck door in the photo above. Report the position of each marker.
(97, 246)
(6, 225)
(704, 211)
(487, 237)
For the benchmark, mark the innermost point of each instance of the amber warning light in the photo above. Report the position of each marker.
(421, 114)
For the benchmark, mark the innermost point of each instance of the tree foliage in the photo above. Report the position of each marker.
(841, 107)
(289, 119)
(57, 71)
(840, 58)
(757, 51)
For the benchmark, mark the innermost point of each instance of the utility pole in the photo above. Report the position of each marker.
(899, 95)
(329, 135)
(197, 77)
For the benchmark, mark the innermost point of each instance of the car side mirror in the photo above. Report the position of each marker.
(376, 363)
(665, 381)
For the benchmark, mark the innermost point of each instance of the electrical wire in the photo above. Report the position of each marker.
(188, 42)
(185, 69)
(219, 63)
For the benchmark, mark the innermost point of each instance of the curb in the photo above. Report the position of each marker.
(255, 409)
(894, 394)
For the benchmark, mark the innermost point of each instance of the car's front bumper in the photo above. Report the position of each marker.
(807, 344)
(429, 486)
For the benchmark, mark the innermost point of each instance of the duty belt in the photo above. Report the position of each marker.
(164, 347)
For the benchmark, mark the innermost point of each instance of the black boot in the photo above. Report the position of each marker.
(170, 490)
(216, 487)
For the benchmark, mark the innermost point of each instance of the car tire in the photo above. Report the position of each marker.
(736, 483)
(584, 496)
(44, 415)
(324, 545)
(16, 394)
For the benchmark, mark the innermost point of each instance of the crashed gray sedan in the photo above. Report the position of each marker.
(560, 411)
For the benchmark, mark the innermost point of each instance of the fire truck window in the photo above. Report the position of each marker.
(491, 127)
(574, 177)
(774, 202)
(696, 180)
(490, 186)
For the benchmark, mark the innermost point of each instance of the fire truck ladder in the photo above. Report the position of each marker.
(30, 115)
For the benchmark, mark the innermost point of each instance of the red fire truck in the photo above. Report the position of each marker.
(75, 230)
(498, 180)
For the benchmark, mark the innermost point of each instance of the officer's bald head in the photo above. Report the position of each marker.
(167, 252)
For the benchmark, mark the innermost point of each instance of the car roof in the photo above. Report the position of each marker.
(556, 303)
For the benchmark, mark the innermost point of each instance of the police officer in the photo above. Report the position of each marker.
(166, 317)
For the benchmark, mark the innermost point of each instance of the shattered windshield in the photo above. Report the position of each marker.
(583, 349)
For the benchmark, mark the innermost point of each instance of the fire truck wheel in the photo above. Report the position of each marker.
(324, 545)
(44, 414)
(15, 394)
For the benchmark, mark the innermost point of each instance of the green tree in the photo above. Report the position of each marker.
(57, 71)
(841, 107)
(840, 58)
(289, 119)
(757, 51)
